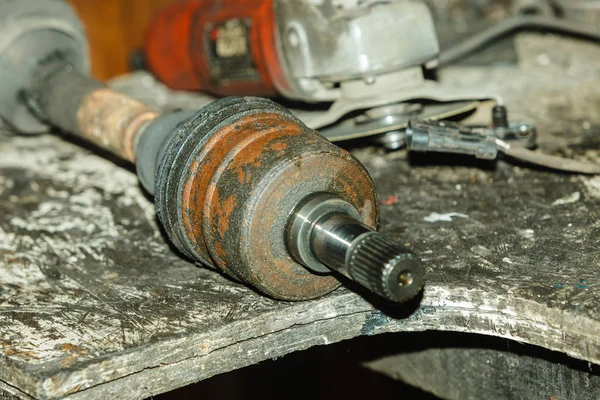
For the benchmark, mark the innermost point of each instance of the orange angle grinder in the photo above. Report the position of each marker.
(363, 63)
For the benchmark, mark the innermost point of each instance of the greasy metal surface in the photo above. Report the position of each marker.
(94, 302)
(325, 234)
(112, 120)
(226, 197)
(301, 227)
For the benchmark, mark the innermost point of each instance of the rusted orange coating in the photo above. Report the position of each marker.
(335, 166)
(198, 192)
(247, 153)
(112, 121)
(246, 180)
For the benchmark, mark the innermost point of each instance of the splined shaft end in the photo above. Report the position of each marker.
(385, 267)
(326, 234)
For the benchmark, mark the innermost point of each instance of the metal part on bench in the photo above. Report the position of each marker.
(226, 178)
(231, 176)
(325, 233)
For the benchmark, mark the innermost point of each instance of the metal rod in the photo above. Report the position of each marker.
(86, 108)
(325, 233)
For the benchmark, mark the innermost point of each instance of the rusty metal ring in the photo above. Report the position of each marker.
(231, 176)
(179, 153)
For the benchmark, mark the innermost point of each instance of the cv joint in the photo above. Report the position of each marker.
(231, 176)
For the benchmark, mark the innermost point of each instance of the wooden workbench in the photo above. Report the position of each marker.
(95, 304)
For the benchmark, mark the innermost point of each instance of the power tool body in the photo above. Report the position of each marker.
(367, 65)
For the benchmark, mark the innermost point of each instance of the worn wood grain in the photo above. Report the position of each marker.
(480, 373)
(94, 302)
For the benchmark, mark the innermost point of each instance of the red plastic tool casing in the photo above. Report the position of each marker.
(226, 48)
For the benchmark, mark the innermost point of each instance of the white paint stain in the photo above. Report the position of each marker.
(435, 217)
(527, 233)
(79, 170)
(572, 198)
(593, 186)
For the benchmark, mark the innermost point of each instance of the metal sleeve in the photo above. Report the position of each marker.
(86, 108)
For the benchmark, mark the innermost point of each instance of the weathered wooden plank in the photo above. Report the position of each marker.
(8, 392)
(478, 373)
(93, 300)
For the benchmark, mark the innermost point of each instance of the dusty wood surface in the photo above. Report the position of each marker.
(94, 303)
